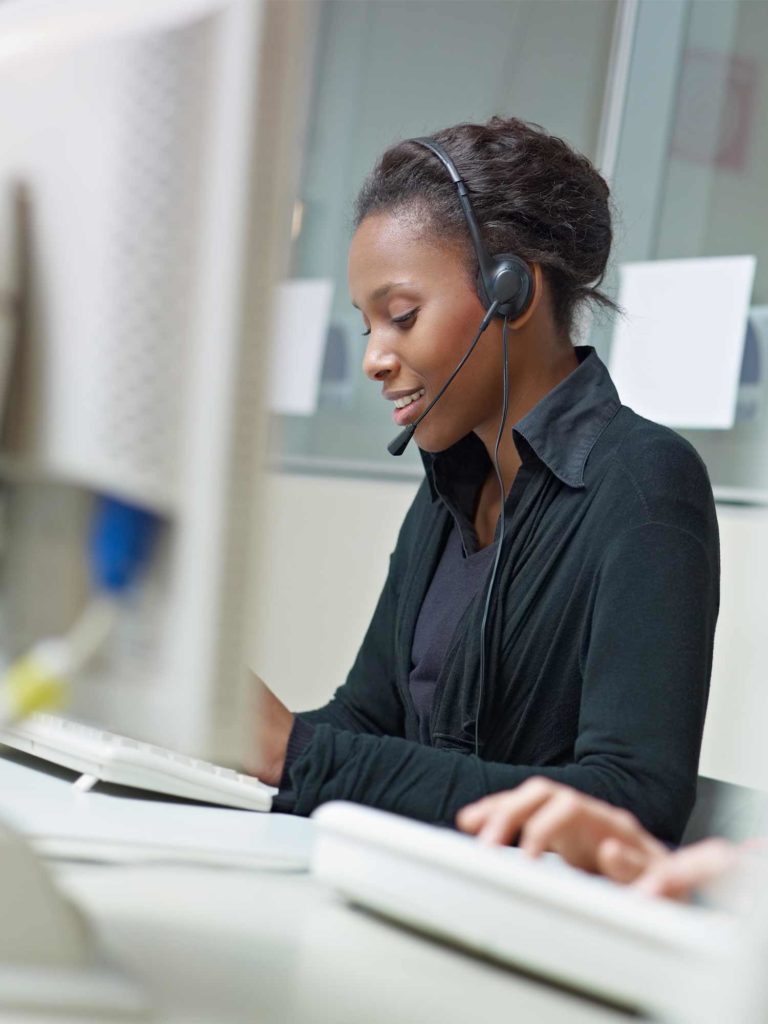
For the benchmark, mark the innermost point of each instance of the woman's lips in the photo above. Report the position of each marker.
(403, 417)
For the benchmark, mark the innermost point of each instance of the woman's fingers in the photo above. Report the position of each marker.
(595, 836)
(498, 818)
(564, 813)
(586, 832)
(472, 817)
(548, 815)
(572, 825)
(575, 826)
(621, 861)
(678, 874)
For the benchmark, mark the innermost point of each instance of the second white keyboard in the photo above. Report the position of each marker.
(104, 756)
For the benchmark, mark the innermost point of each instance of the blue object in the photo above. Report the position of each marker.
(120, 543)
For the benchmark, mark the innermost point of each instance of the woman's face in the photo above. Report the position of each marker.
(422, 312)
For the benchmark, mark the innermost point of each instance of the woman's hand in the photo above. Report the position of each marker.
(692, 867)
(272, 727)
(597, 837)
(586, 832)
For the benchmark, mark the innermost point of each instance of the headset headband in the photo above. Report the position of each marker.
(505, 279)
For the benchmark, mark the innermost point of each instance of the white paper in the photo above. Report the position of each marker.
(302, 316)
(107, 828)
(676, 355)
(61, 821)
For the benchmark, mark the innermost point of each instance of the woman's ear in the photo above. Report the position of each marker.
(523, 319)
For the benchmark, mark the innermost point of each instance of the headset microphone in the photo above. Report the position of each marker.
(400, 443)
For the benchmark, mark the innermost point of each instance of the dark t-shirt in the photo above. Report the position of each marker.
(458, 578)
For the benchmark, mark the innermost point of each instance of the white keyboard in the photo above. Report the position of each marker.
(103, 756)
(542, 916)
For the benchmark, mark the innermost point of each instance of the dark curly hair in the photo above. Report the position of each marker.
(532, 195)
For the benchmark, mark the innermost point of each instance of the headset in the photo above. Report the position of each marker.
(506, 286)
(505, 279)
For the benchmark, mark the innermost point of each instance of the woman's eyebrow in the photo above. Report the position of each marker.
(381, 291)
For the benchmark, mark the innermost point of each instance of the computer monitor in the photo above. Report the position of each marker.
(146, 179)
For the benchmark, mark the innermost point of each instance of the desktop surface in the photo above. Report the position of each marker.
(214, 946)
(220, 944)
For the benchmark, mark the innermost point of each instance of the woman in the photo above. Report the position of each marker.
(587, 659)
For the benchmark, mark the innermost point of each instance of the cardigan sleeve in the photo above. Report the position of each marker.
(645, 667)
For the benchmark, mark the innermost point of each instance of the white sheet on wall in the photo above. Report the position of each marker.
(302, 316)
(676, 355)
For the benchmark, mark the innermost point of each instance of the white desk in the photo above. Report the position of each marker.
(222, 946)
(237, 946)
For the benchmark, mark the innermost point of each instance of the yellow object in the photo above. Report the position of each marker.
(31, 685)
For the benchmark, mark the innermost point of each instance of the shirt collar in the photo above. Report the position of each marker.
(561, 429)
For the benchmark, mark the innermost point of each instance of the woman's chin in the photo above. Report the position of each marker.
(432, 442)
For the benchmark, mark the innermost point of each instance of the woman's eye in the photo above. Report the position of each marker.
(406, 318)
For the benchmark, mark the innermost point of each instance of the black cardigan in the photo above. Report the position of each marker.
(599, 642)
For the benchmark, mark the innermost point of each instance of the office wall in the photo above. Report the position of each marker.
(736, 736)
(326, 546)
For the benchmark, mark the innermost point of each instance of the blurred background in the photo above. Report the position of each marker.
(177, 185)
(194, 481)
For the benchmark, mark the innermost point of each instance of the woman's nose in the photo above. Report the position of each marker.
(378, 362)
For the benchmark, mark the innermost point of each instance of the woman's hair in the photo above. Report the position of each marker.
(532, 195)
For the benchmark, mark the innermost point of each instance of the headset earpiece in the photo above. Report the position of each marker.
(507, 280)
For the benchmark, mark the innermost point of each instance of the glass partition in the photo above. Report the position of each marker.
(690, 180)
(387, 70)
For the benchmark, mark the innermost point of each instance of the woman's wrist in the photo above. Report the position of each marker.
(273, 753)
(273, 725)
